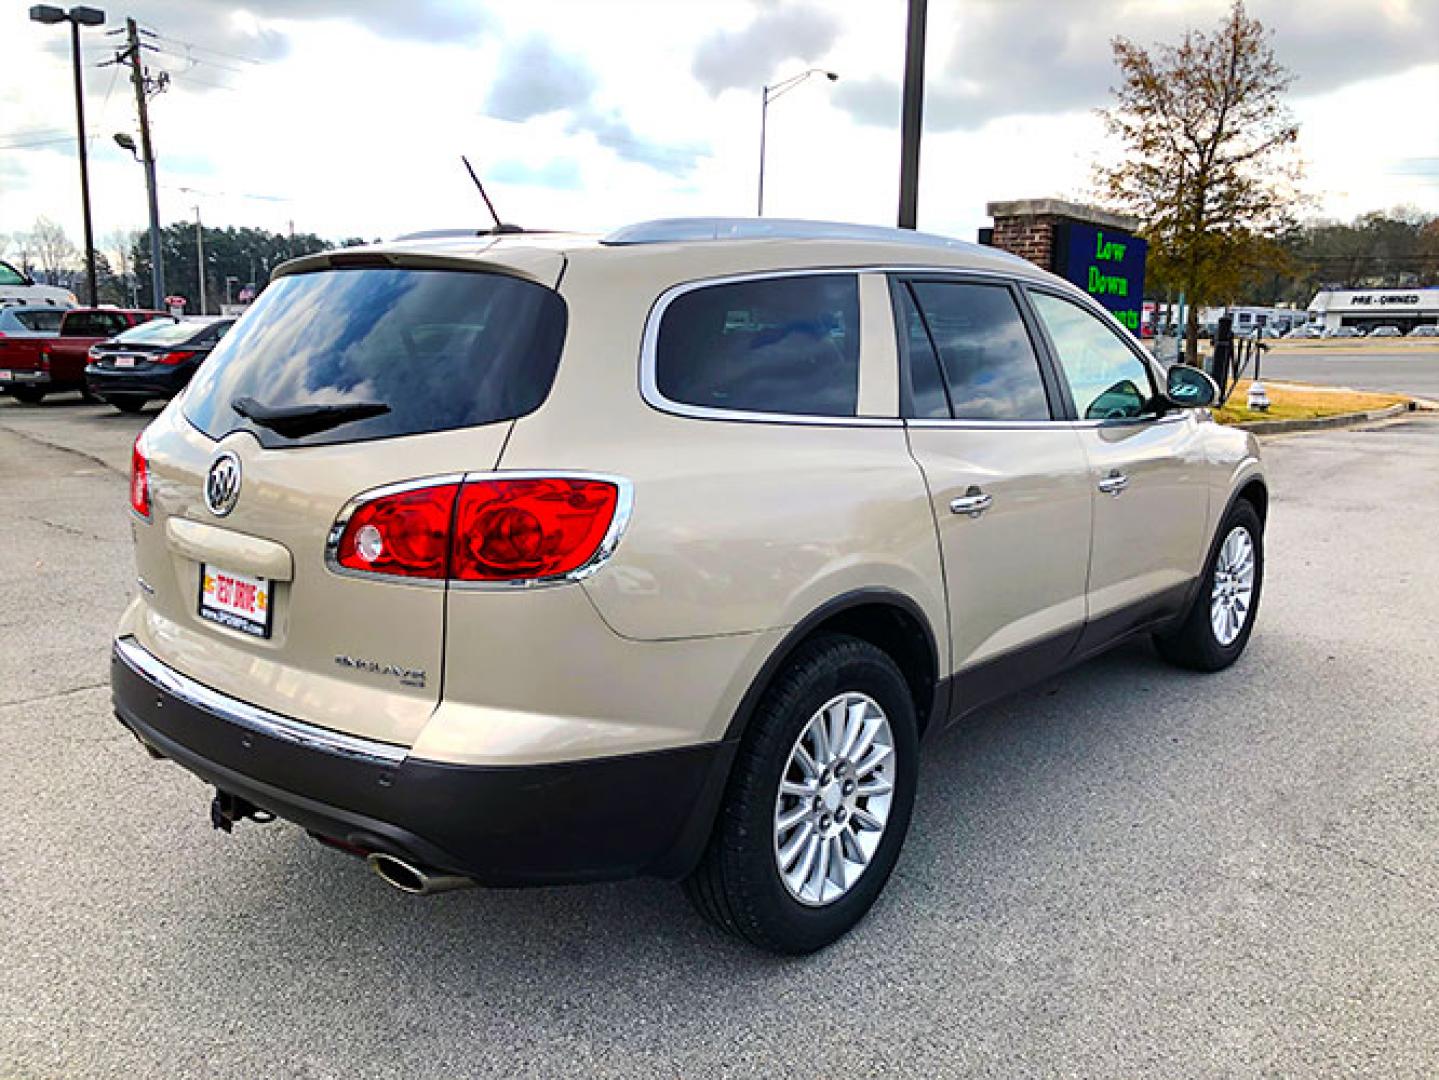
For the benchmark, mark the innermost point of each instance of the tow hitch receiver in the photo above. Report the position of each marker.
(226, 809)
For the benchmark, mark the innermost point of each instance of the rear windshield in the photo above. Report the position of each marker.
(93, 324)
(439, 349)
(42, 322)
(161, 332)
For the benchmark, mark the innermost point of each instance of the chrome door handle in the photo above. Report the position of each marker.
(1114, 483)
(973, 502)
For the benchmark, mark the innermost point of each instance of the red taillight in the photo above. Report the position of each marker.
(530, 528)
(177, 357)
(139, 480)
(407, 533)
(520, 529)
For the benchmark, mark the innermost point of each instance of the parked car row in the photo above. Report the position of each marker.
(1428, 330)
(124, 356)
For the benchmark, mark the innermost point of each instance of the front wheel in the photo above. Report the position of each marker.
(819, 801)
(1221, 619)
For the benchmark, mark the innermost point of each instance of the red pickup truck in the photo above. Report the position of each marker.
(32, 366)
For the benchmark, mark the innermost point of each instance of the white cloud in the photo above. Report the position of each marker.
(354, 129)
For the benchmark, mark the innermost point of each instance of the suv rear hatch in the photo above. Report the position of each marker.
(349, 374)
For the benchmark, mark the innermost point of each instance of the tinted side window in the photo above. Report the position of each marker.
(773, 345)
(927, 399)
(988, 360)
(41, 322)
(1107, 381)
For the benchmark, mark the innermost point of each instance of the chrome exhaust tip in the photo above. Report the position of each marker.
(415, 880)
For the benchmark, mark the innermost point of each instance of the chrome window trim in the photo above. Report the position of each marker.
(252, 717)
(649, 349)
(999, 425)
(624, 508)
(649, 386)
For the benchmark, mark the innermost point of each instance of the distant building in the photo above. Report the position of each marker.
(1367, 308)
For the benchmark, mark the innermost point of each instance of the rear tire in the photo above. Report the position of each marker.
(739, 885)
(29, 395)
(1208, 639)
(128, 404)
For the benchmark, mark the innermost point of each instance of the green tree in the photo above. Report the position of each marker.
(1209, 167)
(245, 254)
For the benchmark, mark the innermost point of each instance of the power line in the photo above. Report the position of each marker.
(203, 48)
(47, 142)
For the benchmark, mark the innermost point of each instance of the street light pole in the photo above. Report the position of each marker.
(769, 94)
(200, 256)
(78, 17)
(911, 116)
(91, 286)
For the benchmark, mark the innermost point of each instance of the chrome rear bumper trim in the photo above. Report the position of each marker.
(244, 715)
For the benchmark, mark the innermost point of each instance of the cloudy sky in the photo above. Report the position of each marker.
(348, 117)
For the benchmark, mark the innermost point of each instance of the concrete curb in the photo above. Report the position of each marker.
(1320, 423)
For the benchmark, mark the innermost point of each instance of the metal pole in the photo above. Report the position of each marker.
(911, 117)
(147, 147)
(200, 256)
(763, 122)
(90, 284)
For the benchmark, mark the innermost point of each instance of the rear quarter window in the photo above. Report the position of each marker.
(439, 349)
(92, 324)
(40, 322)
(784, 345)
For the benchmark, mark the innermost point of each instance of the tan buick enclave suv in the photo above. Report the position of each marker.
(536, 558)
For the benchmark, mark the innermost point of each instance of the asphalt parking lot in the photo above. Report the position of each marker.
(1127, 871)
(1408, 369)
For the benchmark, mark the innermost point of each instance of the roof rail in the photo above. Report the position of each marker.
(675, 230)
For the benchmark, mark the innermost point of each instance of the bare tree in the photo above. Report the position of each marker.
(52, 247)
(119, 245)
(1210, 168)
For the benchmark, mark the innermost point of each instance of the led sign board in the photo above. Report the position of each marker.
(1108, 264)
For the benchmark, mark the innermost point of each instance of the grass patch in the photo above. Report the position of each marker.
(1289, 402)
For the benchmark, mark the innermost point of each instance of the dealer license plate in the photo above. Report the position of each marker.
(4, 375)
(124, 361)
(238, 601)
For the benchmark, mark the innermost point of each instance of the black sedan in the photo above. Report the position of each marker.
(153, 360)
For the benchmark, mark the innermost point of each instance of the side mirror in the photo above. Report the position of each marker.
(1189, 388)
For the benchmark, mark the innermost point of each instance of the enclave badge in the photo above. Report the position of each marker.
(407, 676)
(222, 485)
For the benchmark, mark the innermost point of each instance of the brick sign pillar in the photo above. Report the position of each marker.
(1093, 248)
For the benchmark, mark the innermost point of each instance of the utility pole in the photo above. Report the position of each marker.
(200, 256)
(912, 116)
(147, 148)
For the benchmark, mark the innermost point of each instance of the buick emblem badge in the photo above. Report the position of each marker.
(222, 485)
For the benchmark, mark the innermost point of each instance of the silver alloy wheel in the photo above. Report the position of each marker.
(834, 799)
(1232, 592)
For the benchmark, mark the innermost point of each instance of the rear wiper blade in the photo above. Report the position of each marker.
(297, 421)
